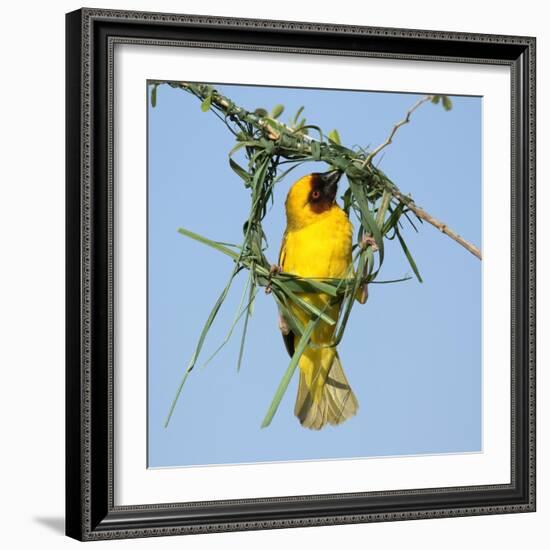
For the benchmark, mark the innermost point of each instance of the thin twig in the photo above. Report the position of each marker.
(389, 139)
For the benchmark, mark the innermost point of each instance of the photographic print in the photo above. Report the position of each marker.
(314, 274)
(300, 274)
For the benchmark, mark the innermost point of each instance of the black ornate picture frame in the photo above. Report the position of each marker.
(90, 510)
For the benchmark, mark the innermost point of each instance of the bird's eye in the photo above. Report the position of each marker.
(315, 194)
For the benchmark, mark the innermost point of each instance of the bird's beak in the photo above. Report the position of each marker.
(330, 183)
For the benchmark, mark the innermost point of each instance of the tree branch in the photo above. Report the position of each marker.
(302, 147)
(389, 139)
(443, 227)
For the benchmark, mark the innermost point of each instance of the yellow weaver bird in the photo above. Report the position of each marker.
(317, 243)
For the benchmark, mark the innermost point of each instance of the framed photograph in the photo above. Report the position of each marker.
(300, 274)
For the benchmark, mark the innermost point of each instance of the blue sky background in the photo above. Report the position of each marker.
(419, 381)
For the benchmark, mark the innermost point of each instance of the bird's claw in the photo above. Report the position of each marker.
(283, 325)
(369, 240)
(273, 270)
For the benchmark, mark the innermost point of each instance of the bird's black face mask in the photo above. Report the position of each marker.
(329, 183)
(324, 186)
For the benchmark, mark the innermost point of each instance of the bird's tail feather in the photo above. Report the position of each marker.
(324, 394)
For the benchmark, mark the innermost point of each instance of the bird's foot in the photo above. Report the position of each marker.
(283, 325)
(273, 270)
(369, 240)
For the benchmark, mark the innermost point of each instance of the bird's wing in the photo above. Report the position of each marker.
(288, 335)
(282, 252)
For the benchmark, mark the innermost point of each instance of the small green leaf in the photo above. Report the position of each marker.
(435, 99)
(297, 115)
(277, 111)
(206, 104)
(154, 95)
(446, 102)
(261, 112)
(334, 136)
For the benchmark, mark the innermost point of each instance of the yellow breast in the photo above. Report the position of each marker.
(320, 249)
